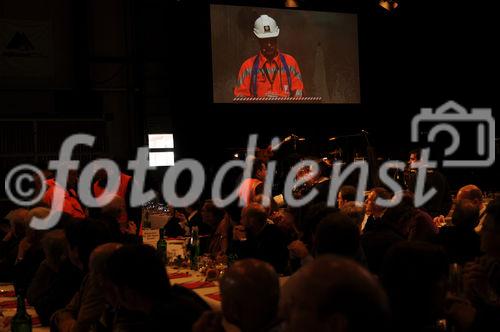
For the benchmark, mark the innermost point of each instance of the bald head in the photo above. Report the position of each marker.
(100, 255)
(470, 192)
(332, 294)
(250, 294)
(19, 221)
(254, 217)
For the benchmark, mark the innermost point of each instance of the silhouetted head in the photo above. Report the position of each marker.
(250, 295)
(334, 294)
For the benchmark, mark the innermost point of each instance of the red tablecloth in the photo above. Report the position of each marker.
(8, 304)
(177, 275)
(8, 294)
(214, 296)
(198, 284)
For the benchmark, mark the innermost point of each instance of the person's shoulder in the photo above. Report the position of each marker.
(188, 298)
(182, 306)
(249, 62)
(289, 58)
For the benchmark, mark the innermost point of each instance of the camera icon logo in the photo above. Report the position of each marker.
(453, 113)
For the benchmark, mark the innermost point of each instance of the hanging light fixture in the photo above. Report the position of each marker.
(388, 5)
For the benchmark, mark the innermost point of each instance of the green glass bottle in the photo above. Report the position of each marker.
(147, 222)
(194, 246)
(161, 247)
(21, 322)
(231, 258)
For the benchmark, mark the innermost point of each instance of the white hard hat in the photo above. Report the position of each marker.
(266, 27)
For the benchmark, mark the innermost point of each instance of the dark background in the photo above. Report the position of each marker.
(122, 68)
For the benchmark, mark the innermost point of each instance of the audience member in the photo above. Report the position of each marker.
(259, 239)
(123, 231)
(128, 214)
(219, 240)
(334, 294)
(391, 228)
(346, 194)
(460, 241)
(470, 193)
(354, 210)
(482, 281)
(146, 301)
(309, 220)
(56, 280)
(211, 216)
(302, 248)
(337, 234)
(97, 266)
(250, 295)
(9, 244)
(410, 222)
(285, 221)
(374, 211)
(474, 194)
(29, 253)
(177, 225)
(193, 215)
(85, 308)
(415, 276)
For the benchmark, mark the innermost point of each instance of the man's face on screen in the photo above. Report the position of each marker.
(269, 47)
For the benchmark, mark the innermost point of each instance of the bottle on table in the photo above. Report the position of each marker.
(456, 280)
(147, 222)
(161, 247)
(21, 322)
(194, 248)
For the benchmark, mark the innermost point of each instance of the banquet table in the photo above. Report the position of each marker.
(194, 280)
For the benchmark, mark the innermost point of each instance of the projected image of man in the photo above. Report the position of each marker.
(270, 73)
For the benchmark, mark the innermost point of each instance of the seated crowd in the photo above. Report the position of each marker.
(357, 266)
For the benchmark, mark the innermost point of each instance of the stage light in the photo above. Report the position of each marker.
(236, 156)
(388, 5)
(291, 3)
(161, 142)
(161, 159)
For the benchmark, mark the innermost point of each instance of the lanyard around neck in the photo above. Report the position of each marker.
(267, 73)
